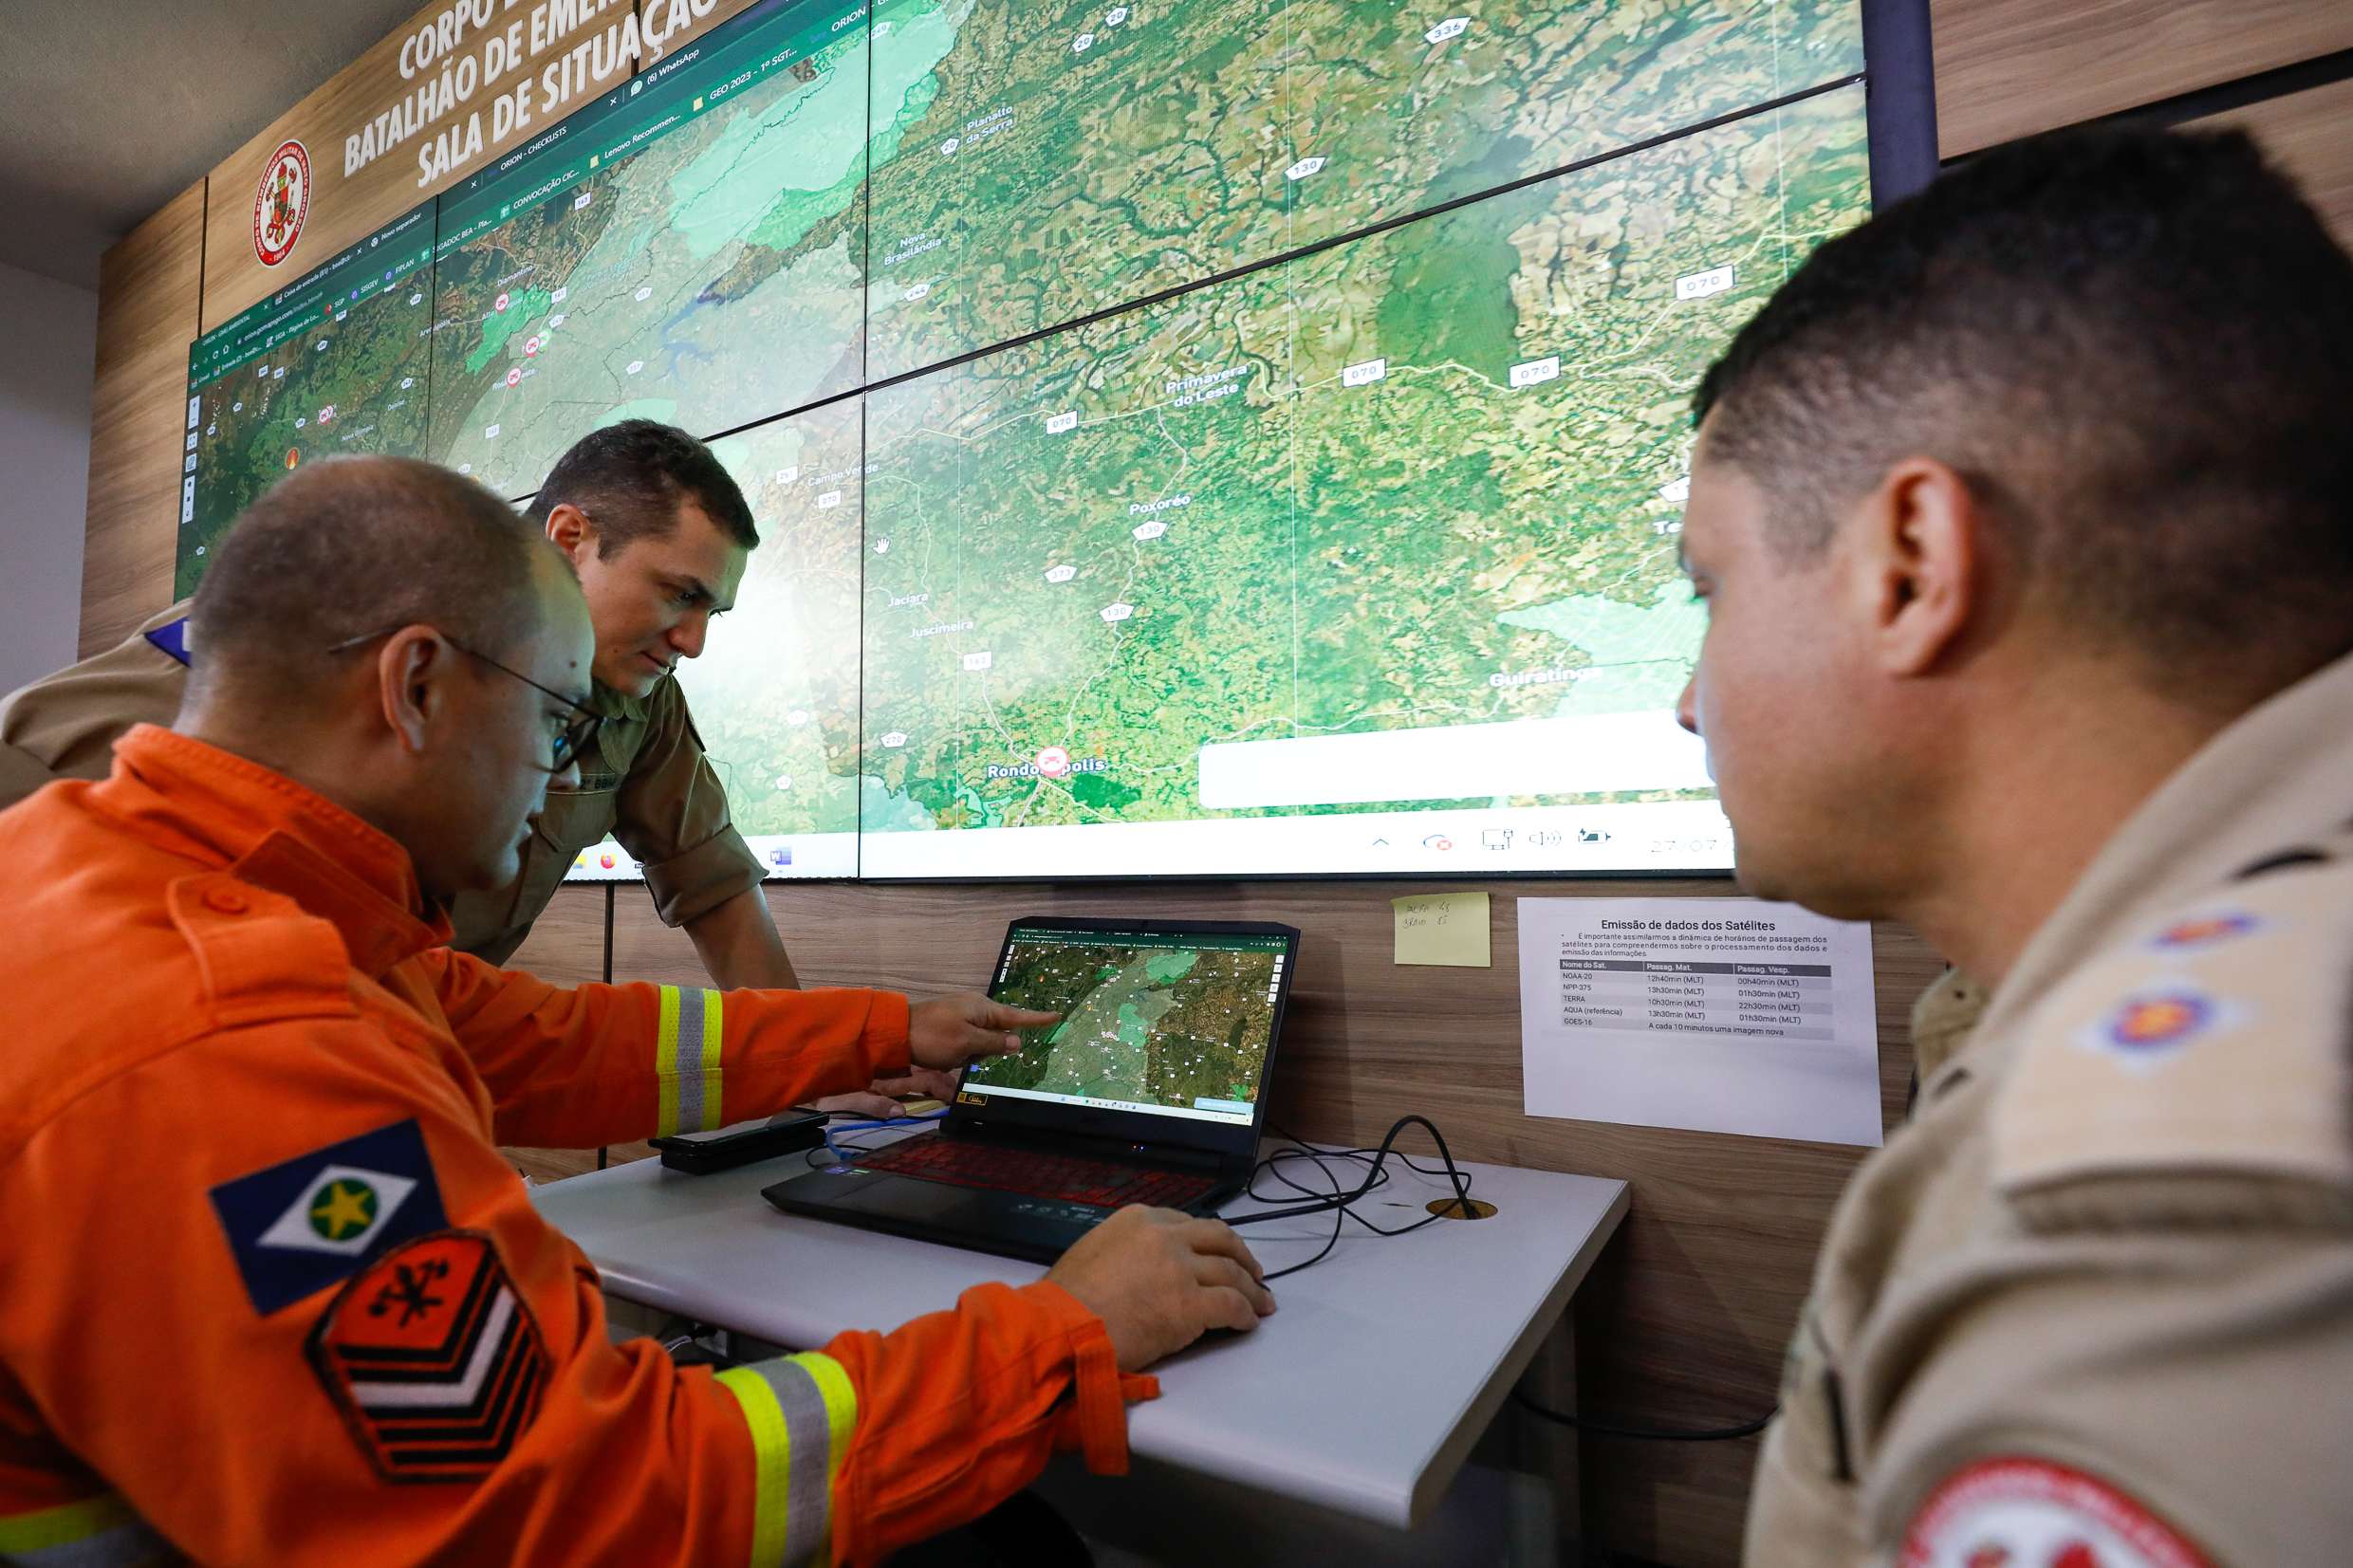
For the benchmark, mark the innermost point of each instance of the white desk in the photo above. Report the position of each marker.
(1363, 1393)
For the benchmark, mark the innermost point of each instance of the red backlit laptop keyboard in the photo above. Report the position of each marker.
(1056, 1176)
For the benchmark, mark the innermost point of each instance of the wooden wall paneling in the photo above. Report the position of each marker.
(149, 287)
(2310, 133)
(345, 210)
(567, 944)
(1686, 1318)
(2007, 69)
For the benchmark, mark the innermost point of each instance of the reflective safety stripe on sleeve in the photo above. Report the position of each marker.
(686, 1062)
(97, 1532)
(801, 1411)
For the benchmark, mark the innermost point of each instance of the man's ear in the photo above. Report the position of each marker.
(1918, 550)
(571, 531)
(411, 673)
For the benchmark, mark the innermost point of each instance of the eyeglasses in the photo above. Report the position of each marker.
(571, 741)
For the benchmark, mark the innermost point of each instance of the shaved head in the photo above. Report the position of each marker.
(355, 545)
(398, 641)
(2136, 346)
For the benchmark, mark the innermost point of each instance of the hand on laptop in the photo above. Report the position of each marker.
(880, 1100)
(954, 1029)
(1160, 1278)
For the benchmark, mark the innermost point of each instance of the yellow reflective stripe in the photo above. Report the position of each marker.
(771, 1453)
(68, 1522)
(666, 1064)
(801, 1411)
(686, 1062)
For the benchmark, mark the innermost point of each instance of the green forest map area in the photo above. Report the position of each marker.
(1145, 1026)
(1229, 543)
(1070, 158)
(1082, 177)
(710, 278)
(775, 692)
(356, 382)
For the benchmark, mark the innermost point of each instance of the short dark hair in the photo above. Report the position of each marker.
(632, 476)
(2136, 346)
(351, 545)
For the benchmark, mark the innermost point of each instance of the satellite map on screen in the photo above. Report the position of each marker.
(1185, 438)
(1070, 158)
(1180, 1026)
(1424, 480)
(775, 692)
(690, 249)
(335, 363)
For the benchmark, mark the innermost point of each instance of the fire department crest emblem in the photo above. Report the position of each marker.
(281, 202)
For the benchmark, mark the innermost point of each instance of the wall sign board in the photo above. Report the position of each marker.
(460, 83)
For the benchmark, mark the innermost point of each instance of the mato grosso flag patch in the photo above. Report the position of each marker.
(313, 1221)
(433, 1358)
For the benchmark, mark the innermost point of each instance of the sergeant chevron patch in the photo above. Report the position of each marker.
(433, 1358)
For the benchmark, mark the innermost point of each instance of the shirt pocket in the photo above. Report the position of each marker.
(574, 818)
(1813, 1405)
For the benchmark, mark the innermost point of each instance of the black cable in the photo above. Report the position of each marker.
(1272, 1166)
(1321, 1252)
(1337, 1203)
(1372, 1182)
(1335, 1153)
(1603, 1428)
(1377, 1178)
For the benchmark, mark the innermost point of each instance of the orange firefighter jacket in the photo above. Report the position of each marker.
(269, 1295)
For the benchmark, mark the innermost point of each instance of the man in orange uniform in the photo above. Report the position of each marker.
(269, 1295)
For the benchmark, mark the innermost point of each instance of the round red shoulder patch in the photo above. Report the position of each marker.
(2030, 1513)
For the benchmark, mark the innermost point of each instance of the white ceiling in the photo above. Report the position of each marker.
(109, 108)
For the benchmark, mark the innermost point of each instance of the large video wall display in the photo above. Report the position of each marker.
(1186, 439)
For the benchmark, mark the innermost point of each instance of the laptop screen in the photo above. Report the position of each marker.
(1167, 1024)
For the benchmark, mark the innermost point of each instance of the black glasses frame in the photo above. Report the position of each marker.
(575, 738)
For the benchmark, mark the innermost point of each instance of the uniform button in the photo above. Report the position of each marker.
(227, 901)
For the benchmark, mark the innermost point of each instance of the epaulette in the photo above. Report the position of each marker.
(2196, 1076)
(262, 956)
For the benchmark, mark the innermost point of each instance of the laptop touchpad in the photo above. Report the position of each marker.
(928, 1201)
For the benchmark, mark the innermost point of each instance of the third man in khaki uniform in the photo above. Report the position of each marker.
(2025, 518)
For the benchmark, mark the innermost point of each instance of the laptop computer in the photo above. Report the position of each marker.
(1149, 1089)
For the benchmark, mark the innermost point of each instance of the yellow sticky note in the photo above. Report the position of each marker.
(1442, 928)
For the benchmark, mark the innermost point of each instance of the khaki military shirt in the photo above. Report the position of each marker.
(646, 784)
(2093, 1308)
(65, 725)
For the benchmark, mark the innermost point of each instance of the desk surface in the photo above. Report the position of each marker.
(1363, 1393)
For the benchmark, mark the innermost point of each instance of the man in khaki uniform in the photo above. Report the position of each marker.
(659, 535)
(2025, 518)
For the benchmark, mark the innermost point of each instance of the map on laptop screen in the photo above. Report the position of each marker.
(1175, 1024)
